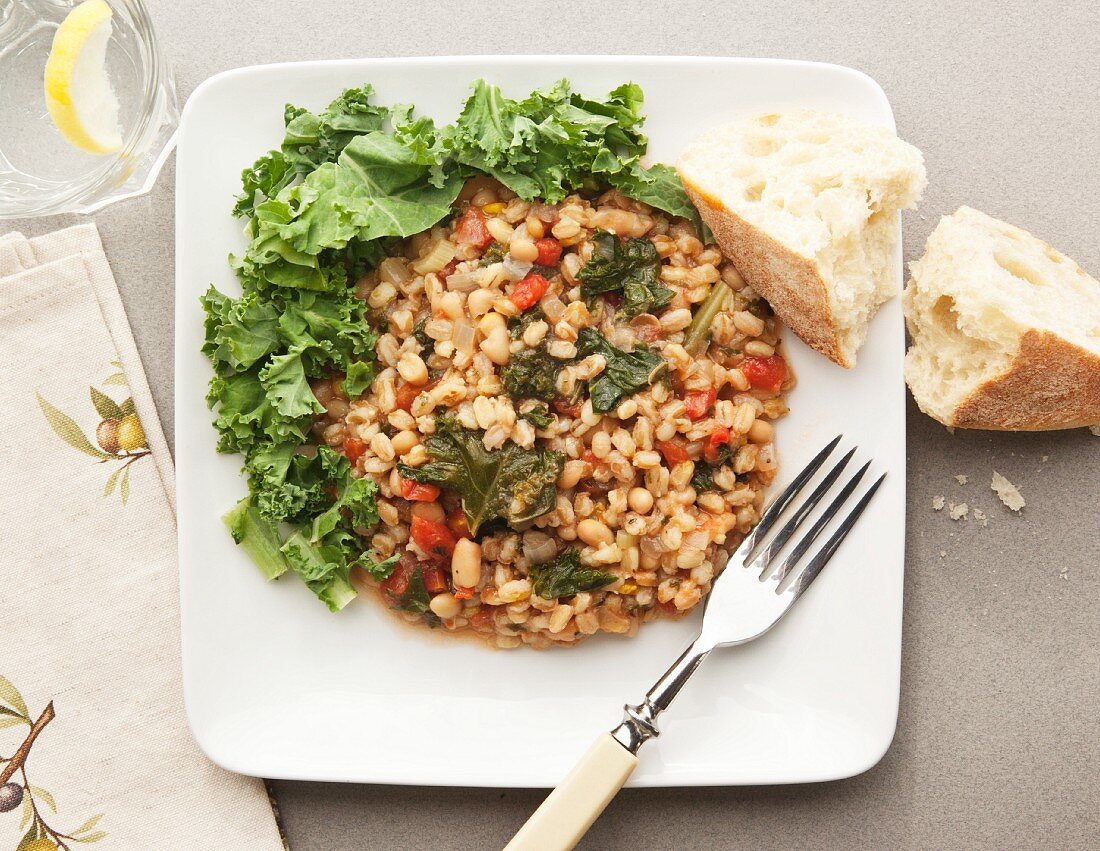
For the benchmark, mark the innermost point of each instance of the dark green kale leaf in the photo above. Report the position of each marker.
(415, 599)
(531, 374)
(564, 576)
(625, 374)
(539, 416)
(512, 483)
(495, 253)
(631, 268)
(703, 477)
(422, 335)
(517, 325)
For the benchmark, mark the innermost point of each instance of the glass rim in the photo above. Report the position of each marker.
(86, 196)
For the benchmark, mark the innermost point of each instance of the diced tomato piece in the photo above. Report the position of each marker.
(456, 522)
(463, 593)
(765, 373)
(406, 393)
(669, 608)
(590, 456)
(673, 452)
(549, 251)
(718, 438)
(471, 228)
(565, 410)
(697, 404)
(419, 491)
(435, 581)
(397, 583)
(527, 292)
(354, 448)
(482, 619)
(433, 538)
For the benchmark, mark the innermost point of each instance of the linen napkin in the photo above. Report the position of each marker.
(94, 746)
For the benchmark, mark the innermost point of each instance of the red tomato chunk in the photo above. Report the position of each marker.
(471, 229)
(435, 539)
(718, 438)
(528, 291)
(456, 522)
(435, 581)
(397, 583)
(765, 373)
(354, 448)
(418, 492)
(674, 453)
(549, 251)
(698, 403)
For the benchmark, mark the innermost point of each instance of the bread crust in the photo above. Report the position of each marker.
(790, 282)
(1049, 384)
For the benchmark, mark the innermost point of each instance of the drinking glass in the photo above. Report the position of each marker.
(40, 172)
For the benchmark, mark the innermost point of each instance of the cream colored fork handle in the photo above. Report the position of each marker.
(570, 809)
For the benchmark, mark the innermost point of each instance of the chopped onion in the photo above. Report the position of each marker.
(553, 307)
(463, 335)
(464, 282)
(651, 546)
(540, 550)
(440, 254)
(514, 269)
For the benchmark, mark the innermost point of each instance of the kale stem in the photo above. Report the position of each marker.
(698, 333)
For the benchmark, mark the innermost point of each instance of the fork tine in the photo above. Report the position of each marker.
(767, 520)
(818, 562)
(828, 514)
(763, 561)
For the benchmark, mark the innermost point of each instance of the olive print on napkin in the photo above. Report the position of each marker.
(119, 437)
(16, 790)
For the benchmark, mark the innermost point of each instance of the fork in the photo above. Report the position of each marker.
(747, 600)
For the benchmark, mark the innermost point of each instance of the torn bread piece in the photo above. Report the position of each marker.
(805, 205)
(1006, 330)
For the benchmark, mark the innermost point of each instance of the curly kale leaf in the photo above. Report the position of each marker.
(631, 269)
(531, 374)
(565, 575)
(625, 374)
(539, 416)
(512, 483)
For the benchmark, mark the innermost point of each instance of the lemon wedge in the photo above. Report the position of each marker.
(79, 96)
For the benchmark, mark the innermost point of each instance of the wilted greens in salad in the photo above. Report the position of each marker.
(322, 209)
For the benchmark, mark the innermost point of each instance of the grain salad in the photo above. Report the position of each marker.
(557, 450)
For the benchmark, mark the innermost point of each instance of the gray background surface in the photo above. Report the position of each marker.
(997, 741)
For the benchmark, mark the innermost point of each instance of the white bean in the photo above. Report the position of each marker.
(466, 564)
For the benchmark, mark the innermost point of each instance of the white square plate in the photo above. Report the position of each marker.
(277, 686)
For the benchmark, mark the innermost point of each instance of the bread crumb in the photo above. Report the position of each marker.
(1007, 492)
(937, 503)
(1064, 572)
(1044, 458)
(943, 553)
(962, 480)
(1095, 429)
(979, 515)
(950, 429)
(958, 512)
